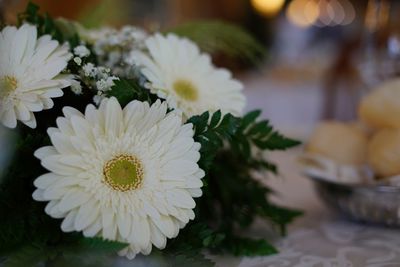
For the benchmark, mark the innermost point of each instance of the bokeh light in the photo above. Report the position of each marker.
(302, 13)
(268, 7)
(321, 13)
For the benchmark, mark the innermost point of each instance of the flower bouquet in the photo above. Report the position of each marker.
(130, 142)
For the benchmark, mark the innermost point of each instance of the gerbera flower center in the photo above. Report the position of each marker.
(186, 90)
(8, 84)
(123, 173)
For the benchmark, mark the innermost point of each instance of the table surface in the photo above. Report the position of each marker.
(320, 238)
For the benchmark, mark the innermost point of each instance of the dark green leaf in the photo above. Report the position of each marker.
(44, 23)
(100, 245)
(249, 118)
(127, 90)
(275, 141)
(259, 129)
(32, 9)
(215, 119)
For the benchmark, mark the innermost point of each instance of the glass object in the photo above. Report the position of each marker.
(379, 57)
(378, 204)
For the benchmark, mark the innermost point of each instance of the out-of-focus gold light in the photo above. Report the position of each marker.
(302, 13)
(321, 13)
(268, 7)
(311, 12)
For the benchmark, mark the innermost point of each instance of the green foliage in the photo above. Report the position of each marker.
(211, 135)
(68, 28)
(187, 249)
(127, 90)
(244, 135)
(45, 24)
(259, 133)
(231, 151)
(222, 37)
(16, 204)
(196, 236)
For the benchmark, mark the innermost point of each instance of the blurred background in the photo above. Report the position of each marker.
(321, 55)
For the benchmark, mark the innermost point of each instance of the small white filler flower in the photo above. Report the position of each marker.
(128, 175)
(186, 78)
(29, 74)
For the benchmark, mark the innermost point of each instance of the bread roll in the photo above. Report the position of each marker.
(384, 152)
(340, 142)
(381, 108)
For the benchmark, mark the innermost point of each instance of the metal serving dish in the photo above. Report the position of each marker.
(378, 204)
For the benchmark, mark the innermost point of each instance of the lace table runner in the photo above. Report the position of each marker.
(321, 238)
(334, 244)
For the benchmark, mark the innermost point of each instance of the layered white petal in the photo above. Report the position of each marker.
(29, 74)
(171, 59)
(76, 189)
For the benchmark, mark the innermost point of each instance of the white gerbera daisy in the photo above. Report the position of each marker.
(186, 78)
(128, 175)
(29, 74)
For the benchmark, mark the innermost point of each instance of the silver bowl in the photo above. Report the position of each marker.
(378, 204)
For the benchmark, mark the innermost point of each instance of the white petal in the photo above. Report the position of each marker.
(87, 214)
(46, 180)
(113, 118)
(62, 144)
(166, 226)
(81, 127)
(110, 232)
(54, 163)
(68, 223)
(69, 112)
(157, 237)
(140, 233)
(73, 200)
(124, 224)
(176, 168)
(107, 217)
(23, 113)
(38, 195)
(180, 198)
(31, 122)
(194, 192)
(93, 229)
(9, 119)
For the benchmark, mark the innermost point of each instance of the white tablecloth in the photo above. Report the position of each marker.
(320, 238)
